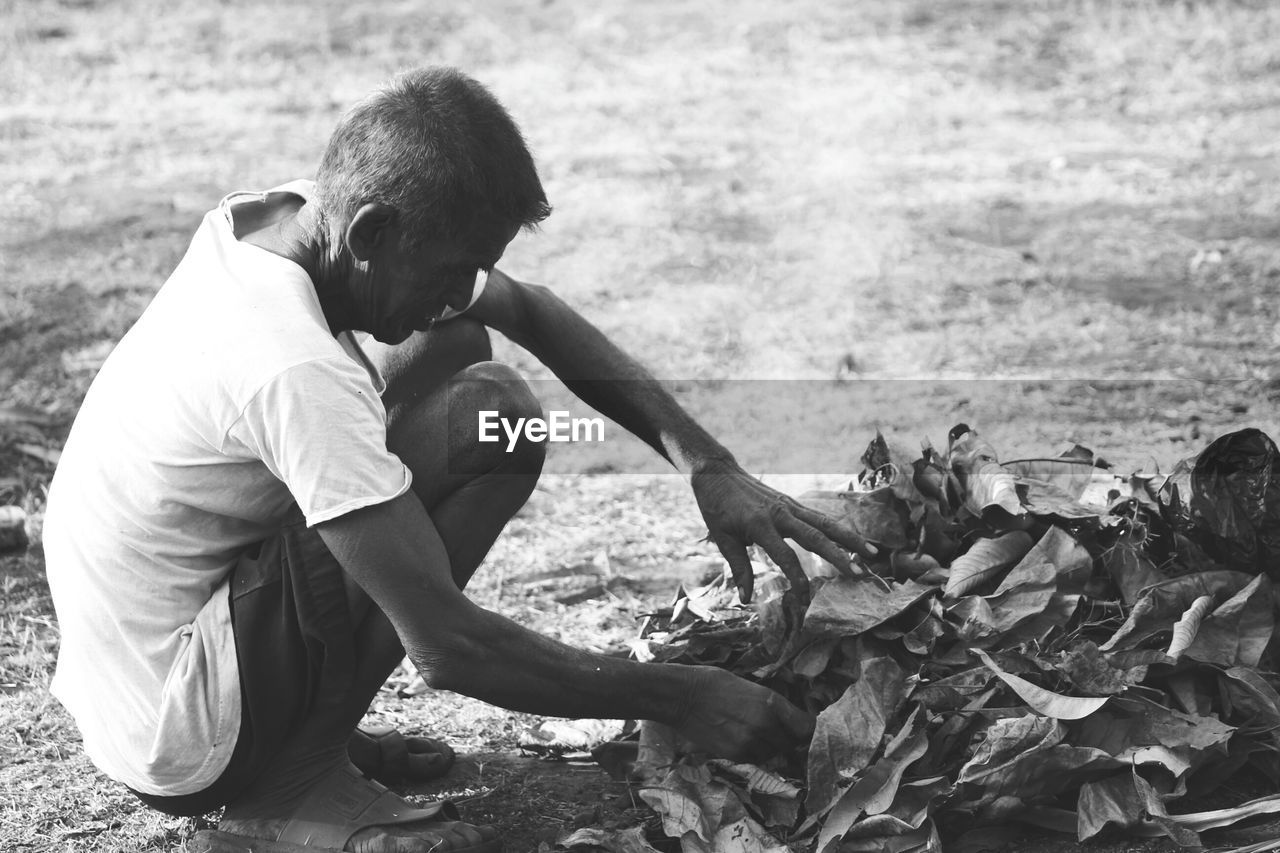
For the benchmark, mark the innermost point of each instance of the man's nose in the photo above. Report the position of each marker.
(459, 295)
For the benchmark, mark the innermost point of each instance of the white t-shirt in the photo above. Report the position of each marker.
(227, 403)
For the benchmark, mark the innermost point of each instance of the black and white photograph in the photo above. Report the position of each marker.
(527, 426)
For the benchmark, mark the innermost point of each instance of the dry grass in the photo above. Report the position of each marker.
(1077, 196)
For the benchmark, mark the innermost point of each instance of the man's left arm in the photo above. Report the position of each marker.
(738, 509)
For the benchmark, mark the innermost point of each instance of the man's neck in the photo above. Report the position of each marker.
(293, 229)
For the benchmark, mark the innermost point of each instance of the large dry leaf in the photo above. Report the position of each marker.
(989, 490)
(985, 620)
(1038, 628)
(984, 560)
(1126, 800)
(878, 515)
(1024, 757)
(696, 807)
(1251, 697)
(848, 606)
(695, 801)
(875, 791)
(1129, 722)
(1006, 740)
(1238, 630)
(847, 734)
(922, 840)
(681, 813)
(1218, 818)
(1070, 475)
(1043, 701)
(1161, 605)
(1027, 598)
(1070, 561)
(1045, 499)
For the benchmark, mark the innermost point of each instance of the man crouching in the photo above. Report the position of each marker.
(259, 513)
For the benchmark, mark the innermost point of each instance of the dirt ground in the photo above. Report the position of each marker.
(1056, 221)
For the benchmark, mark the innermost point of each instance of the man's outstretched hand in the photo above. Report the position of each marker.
(741, 511)
(733, 718)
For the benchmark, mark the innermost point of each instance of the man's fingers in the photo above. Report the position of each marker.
(781, 554)
(842, 532)
(735, 554)
(812, 540)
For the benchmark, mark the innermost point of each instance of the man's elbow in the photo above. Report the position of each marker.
(444, 669)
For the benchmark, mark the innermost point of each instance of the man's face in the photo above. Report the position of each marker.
(407, 289)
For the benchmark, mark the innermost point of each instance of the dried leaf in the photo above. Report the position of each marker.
(848, 606)
(693, 805)
(989, 490)
(759, 780)
(1046, 499)
(610, 840)
(1217, 818)
(1126, 800)
(1037, 629)
(891, 467)
(1007, 739)
(1252, 697)
(874, 792)
(1070, 475)
(1043, 701)
(1091, 671)
(1184, 632)
(1158, 607)
(560, 737)
(847, 734)
(681, 814)
(1238, 630)
(813, 659)
(878, 515)
(1024, 757)
(1128, 722)
(922, 840)
(984, 560)
(1070, 561)
(745, 836)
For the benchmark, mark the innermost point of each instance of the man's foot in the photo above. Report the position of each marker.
(348, 812)
(382, 753)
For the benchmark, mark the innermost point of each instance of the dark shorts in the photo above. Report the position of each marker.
(296, 650)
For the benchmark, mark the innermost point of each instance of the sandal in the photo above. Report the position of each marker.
(343, 804)
(382, 753)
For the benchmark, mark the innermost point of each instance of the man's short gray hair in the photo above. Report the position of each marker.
(439, 148)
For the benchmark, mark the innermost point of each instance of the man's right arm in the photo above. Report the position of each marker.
(393, 551)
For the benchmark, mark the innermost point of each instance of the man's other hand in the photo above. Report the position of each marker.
(733, 718)
(740, 511)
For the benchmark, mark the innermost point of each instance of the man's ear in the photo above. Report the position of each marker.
(369, 228)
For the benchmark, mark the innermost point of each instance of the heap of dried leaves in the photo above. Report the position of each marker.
(1038, 640)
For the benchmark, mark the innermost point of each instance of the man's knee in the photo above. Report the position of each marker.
(428, 359)
(486, 403)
